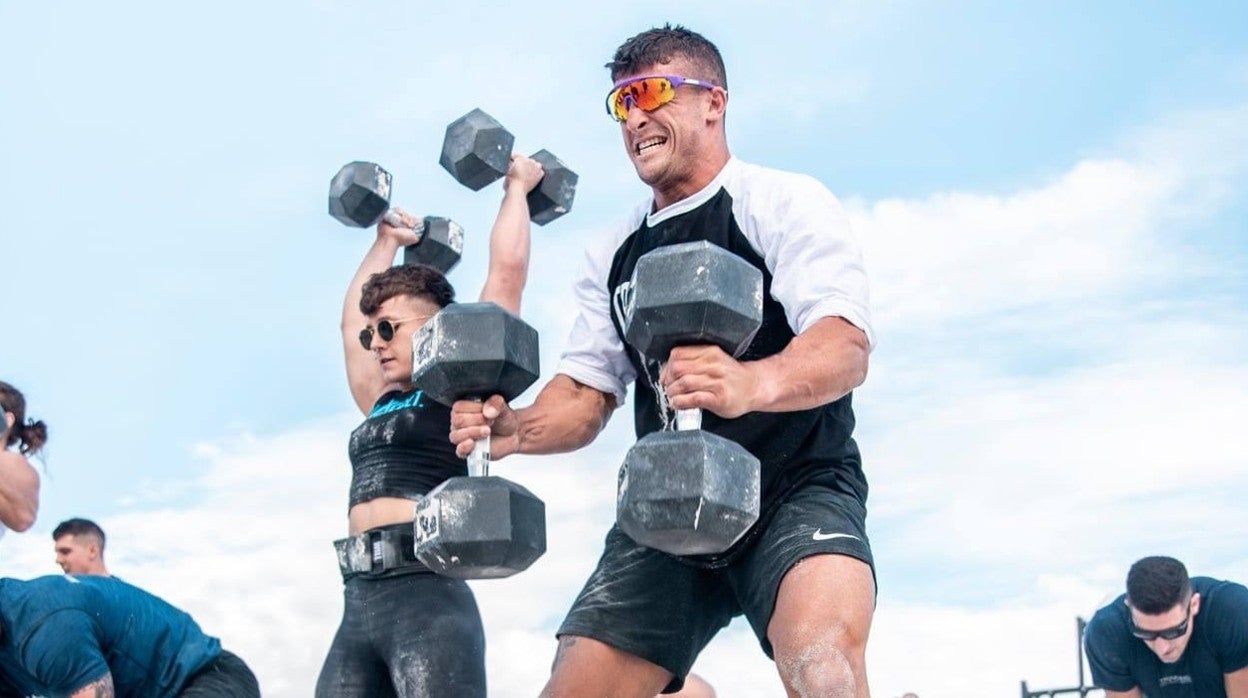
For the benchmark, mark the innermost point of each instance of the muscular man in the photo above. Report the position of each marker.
(1171, 636)
(803, 575)
(79, 545)
(97, 637)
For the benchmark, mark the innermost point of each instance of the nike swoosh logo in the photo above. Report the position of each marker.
(820, 535)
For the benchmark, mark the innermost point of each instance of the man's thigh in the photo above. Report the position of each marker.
(820, 625)
(639, 604)
(814, 525)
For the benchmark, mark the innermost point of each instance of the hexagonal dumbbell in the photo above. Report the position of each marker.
(690, 492)
(480, 526)
(359, 196)
(477, 151)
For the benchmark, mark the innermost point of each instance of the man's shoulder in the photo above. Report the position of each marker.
(1109, 623)
(771, 191)
(1221, 595)
(752, 175)
(51, 586)
(17, 464)
(29, 604)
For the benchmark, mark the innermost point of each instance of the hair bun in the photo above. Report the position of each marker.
(34, 435)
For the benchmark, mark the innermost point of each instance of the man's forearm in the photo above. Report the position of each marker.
(819, 366)
(565, 416)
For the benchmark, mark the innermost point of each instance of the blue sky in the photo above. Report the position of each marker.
(1050, 198)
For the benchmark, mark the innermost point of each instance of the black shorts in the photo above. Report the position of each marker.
(656, 607)
(227, 676)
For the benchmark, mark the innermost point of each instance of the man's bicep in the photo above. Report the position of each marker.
(594, 354)
(814, 258)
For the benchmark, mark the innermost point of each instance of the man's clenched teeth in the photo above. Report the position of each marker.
(645, 145)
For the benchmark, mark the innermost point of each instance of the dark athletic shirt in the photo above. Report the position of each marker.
(1218, 646)
(402, 449)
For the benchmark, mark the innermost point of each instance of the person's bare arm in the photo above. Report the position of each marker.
(1237, 684)
(1133, 693)
(102, 688)
(363, 372)
(565, 416)
(509, 238)
(19, 491)
(820, 365)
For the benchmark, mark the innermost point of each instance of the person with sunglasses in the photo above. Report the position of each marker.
(19, 481)
(803, 575)
(1151, 642)
(406, 631)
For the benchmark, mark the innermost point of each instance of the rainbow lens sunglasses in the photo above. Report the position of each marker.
(648, 92)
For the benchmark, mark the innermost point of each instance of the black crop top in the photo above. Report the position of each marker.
(402, 449)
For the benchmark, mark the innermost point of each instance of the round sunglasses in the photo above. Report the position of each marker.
(385, 330)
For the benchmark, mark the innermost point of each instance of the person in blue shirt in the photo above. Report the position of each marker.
(99, 637)
(1171, 636)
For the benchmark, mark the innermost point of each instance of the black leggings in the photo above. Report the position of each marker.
(416, 635)
(227, 676)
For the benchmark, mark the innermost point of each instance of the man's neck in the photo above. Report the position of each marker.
(709, 172)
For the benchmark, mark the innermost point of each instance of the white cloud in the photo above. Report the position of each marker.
(1107, 225)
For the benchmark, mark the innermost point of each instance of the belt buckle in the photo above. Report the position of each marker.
(376, 552)
(383, 552)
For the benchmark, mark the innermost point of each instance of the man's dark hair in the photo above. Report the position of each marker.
(662, 45)
(1157, 584)
(416, 280)
(79, 527)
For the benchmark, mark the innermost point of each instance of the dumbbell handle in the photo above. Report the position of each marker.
(479, 459)
(689, 419)
(393, 218)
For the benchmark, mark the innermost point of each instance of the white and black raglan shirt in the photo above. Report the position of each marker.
(792, 229)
